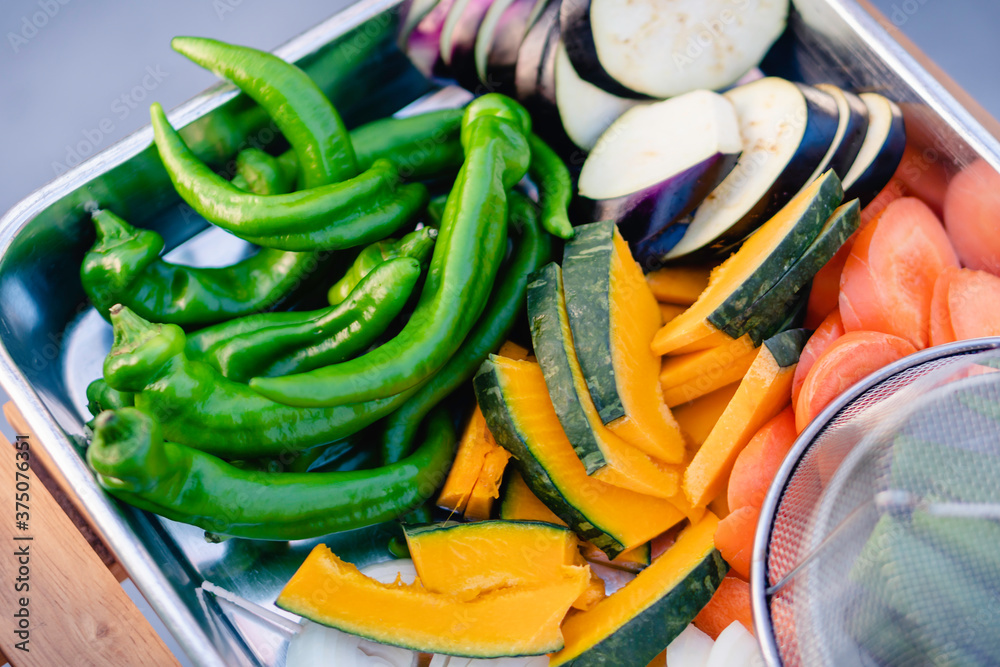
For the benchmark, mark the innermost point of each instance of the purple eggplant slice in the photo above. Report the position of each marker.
(411, 12)
(851, 130)
(423, 45)
(658, 161)
(787, 130)
(535, 60)
(500, 45)
(458, 39)
(578, 37)
(881, 151)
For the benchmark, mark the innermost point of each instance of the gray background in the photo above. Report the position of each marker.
(85, 79)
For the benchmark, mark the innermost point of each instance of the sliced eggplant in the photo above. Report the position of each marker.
(501, 48)
(578, 38)
(851, 130)
(881, 151)
(488, 30)
(411, 12)
(657, 162)
(787, 130)
(534, 73)
(585, 110)
(663, 49)
(423, 44)
(458, 39)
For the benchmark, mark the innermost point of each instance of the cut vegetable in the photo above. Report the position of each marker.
(755, 268)
(613, 317)
(659, 161)
(698, 418)
(972, 216)
(520, 504)
(458, 39)
(786, 130)
(691, 648)
(758, 320)
(852, 128)
(669, 311)
(848, 360)
(690, 376)
(826, 333)
(824, 293)
(522, 620)
(423, 44)
(731, 603)
(941, 329)
(487, 487)
(585, 110)
(735, 647)
(473, 449)
(519, 413)
(500, 39)
(412, 12)
(881, 151)
(759, 461)
(634, 624)
(604, 455)
(534, 72)
(469, 559)
(888, 280)
(632, 560)
(681, 285)
(763, 393)
(643, 47)
(974, 304)
(734, 538)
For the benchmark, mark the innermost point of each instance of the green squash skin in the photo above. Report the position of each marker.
(586, 270)
(786, 346)
(553, 344)
(490, 395)
(412, 532)
(783, 255)
(652, 629)
(759, 317)
(795, 318)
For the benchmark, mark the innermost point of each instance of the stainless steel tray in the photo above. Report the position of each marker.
(52, 343)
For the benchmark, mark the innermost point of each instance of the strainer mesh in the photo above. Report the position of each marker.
(873, 575)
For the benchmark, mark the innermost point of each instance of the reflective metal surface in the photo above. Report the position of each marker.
(52, 343)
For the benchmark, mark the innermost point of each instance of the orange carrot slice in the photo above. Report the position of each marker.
(731, 602)
(849, 359)
(941, 331)
(888, 279)
(972, 216)
(973, 299)
(923, 174)
(828, 331)
(824, 296)
(759, 461)
(734, 538)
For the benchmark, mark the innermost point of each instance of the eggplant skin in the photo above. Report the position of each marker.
(883, 167)
(578, 38)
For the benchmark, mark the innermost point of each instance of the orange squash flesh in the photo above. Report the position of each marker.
(698, 418)
(679, 285)
(669, 311)
(469, 559)
(635, 318)
(487, 488)
(588, 629)
(763, 393)
(691, 376)
(473, 449)
(523, 620)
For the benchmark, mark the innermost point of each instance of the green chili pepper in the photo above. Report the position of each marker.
(263, 174)
(555, 187)
(467, 255)
(101, 397)
(506, 304)
(305, 116)
(326, 336)
(365, 208)
(201, 408)
(421, 146)
(124, 266)
(133, 462)
(435, 209)
(416, 244)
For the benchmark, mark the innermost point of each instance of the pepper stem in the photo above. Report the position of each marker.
(127, 450)
(140, 349)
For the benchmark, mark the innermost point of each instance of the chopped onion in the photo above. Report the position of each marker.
(735, 647)
(690, 648)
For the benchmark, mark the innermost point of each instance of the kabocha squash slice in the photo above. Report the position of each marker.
(523, 620)
(689, 376)
(613, 317)
(669, 311)
(473, 449)
(520, 504)
(605, 456)
(753, 270)
(679, 285)
(519, 413)
(764, 392)
(698, 418)
(468, 559)
(487, 488)
(634, 624)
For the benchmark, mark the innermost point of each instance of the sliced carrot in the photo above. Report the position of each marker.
(734, 538)
(972, 216)
(731, 602)
(759, 461)
(923, 175)
(888, 279)
(848, 360)
(890, 193)
(941, 331)
(679, 285)
(828, 331)
(824, 295)
(974, 304)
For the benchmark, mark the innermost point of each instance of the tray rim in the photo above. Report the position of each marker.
(859, 15)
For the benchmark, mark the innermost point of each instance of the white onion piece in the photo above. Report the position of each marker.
(386, 571)
(735, 647)
(690, 648)
(614, 579)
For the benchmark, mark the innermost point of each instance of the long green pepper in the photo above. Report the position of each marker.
(465, 262)
(417, 244)
(133, 462)
(555, 187)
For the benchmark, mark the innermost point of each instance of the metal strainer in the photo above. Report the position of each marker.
(879, 540)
